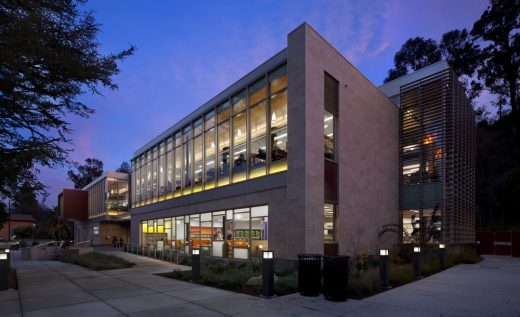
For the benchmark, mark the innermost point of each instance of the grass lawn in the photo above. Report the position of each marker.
(97, 261)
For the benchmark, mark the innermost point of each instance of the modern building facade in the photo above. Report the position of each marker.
(301, 155)
(437, 156)
(99, 210)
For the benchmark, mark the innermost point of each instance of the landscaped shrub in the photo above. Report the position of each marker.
(430, 266)
(96, 261)
(463, 257)
(233, 275)
(401, 274)
(363, 283)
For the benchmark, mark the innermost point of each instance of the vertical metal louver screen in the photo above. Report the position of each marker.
(331, 94)
(437, 160)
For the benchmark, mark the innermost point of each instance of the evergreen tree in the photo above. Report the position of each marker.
(85, 174)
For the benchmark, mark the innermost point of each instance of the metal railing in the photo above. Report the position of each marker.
(86, 243)
(166, 253)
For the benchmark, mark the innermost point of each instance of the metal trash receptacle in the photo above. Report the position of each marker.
(309, 274)
(335, 278)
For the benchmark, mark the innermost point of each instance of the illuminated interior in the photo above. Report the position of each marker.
(235, 233)
(228, 144)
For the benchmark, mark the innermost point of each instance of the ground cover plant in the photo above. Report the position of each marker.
(234, 276)
(96, 261)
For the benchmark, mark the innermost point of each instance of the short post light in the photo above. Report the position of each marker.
(442, 255)
(477, 248)
(195, 265)
(4, 271)
(8, 252)
(417, 261)
(267, 273)
(384, 268)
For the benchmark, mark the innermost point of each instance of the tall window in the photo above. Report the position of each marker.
(258, 129)
(187, 159)
(178, 163)
(328, 128)
(331, 108)
(143, 178)
(278, 127)
(278, 117)
(239, 138)
(329, 223)
(162, 169)
(197, 155)
(169, 175)
(223, 145)
(137, 181)
(209, 148)
(149, 175)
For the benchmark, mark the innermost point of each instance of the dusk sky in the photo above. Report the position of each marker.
(189, 51)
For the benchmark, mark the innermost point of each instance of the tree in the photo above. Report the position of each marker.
(85, 174)
(499, 27)
(49, 57)
(415, 54)
(124, 168)
(25, 201)
(464, 56)
(3, 214)
(53, 227)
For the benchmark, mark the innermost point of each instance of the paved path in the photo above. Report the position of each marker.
(51, 288)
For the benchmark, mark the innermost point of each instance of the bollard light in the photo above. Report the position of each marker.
(7, 250)
(267, 254)
(417, 261)
(195, 265)
(4, 272)
(384, 268)
(267, 273)
(442, 255)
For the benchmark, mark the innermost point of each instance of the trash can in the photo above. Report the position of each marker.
(309, 274)
(335, 278)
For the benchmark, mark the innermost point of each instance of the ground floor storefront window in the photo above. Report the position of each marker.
(233, 233)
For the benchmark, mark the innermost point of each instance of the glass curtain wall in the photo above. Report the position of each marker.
(243, 137)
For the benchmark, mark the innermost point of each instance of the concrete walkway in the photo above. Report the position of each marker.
(51, 288)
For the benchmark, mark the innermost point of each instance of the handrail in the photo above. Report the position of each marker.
(48, 243)
(85, 243)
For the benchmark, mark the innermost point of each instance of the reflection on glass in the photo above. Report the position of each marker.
(178, 168)
(223, 143)
(239, 102)
(328, 128)
(257, 91)
(223, 112)
(279, 145)
(170, 171)
(209, 146)
(329, 224)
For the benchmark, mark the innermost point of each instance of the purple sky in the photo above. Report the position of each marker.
(189, 51)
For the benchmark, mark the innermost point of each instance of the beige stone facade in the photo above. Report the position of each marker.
(367, 160)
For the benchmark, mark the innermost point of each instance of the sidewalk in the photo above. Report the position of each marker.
(51, 288)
